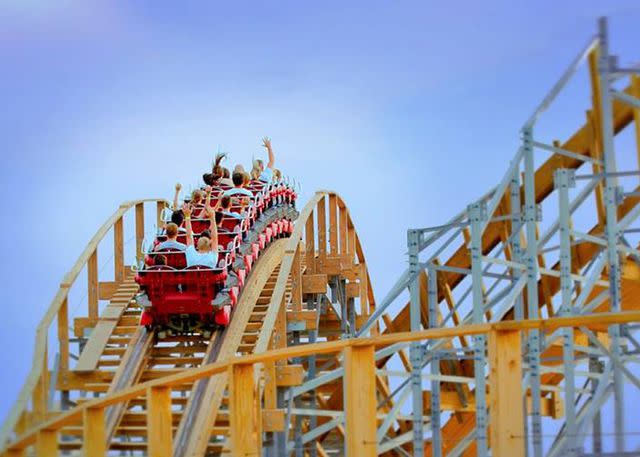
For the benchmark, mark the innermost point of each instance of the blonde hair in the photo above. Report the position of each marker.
(247, 178)
(277, 175)
(197, 195)
(238, 169)
(256, 171)
(204, 244)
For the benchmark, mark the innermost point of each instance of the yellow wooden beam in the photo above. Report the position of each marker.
(94, 440)
(159, 422)
(505, 381)
(139, 229)
(92, 285)
(47, 443)
(289, 375)
(244, 412)
(273, 420)
(118, 250)
(360, 401)
(314, 284)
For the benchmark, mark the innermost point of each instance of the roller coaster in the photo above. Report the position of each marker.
(512, 332)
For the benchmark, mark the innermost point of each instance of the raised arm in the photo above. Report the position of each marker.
(266, 142)
(186, 209)
(213, 228)
(175, 197)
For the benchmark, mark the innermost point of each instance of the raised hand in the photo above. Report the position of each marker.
(178, 187)
(187, 210)
(266, 143)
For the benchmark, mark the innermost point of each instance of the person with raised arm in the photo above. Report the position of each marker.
(206, 252)
(175, 197)
(259, 172)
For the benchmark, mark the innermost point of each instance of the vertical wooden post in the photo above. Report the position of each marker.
(635, 84)
(159, 209)
(139, 228)
(245, 415)
(63, 335)
(41, 390)
(506, 401)
(344, 228)
(333, 224)
(296, 279)
(118, 250)
(92, 286)
(321, 214)
(360, 401)
(94, 439)
(47, 443)
(159, 423)
(310, 245)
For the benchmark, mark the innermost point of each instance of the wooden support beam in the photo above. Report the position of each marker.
(506, 402)
(296, 281)
(333, 224)
(159, 422)
(159, 208)
(106, 289)
(343, 229)
(15, 453)
(322, 233)
(40, 393)
(92, 285)
(47, 443)
(289, 375)
(273, 420)
(245, 416)
(310, 243)
(118, 250)
(94, 440)
(63, 335)
(635, 83)
(360, 401)
(314, 284)
(139, 229)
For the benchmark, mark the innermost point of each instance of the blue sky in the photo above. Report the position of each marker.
(409, 109)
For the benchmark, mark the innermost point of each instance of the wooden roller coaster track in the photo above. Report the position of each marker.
(311, 365)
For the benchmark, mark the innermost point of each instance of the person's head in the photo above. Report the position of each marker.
(225, 202)
(238, 169)
(197, 196)
(247, 179)
(277, 175)
(219, 217)
(177, 217)
(259, 164)
(204, 244)
(172, 231)
(238, 179)
(160, 259)
(208, 179)
(225, 173)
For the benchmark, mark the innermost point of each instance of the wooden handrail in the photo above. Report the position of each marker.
(193, 374)
(40, 351)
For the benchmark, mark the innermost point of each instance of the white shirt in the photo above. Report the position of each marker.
(208, 259)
